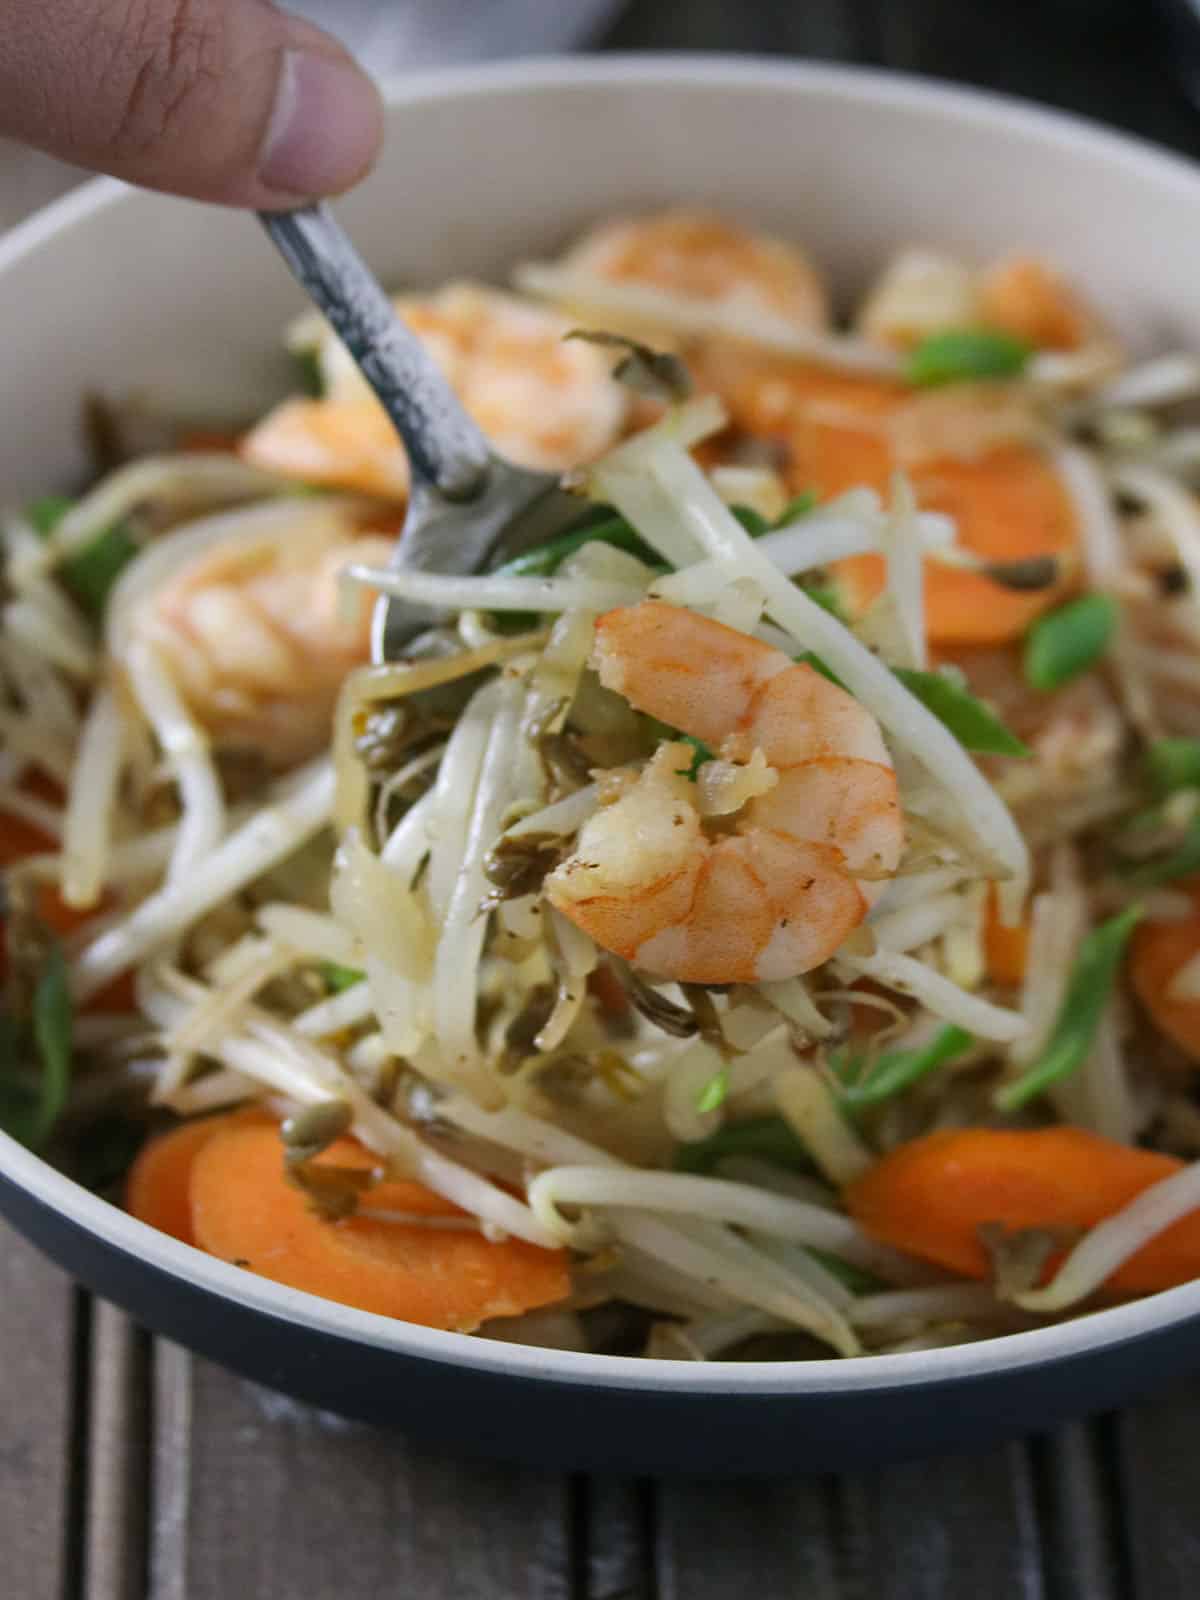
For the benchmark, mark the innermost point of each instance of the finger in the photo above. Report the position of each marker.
(224, 100)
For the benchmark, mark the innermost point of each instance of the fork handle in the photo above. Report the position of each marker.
(446, 451)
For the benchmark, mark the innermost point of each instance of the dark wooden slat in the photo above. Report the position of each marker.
(38, 1312)
(1079, 1514)
(724, 1541)
(115, 1535)
(1158, 1470)
(617, 1533)
(964, 1526)
(255, 1495)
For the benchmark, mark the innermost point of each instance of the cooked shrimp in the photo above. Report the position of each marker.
(778, 895)
(1026, 297)
(255, 637)
(541, 401)
(922, 292)
(699, 256)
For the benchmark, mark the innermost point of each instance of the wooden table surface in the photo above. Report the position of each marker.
(129, 1469)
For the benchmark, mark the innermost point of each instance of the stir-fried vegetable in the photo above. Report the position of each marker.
(339, 978)
(90, 573)
(1067, 642)
(520, 943)
(1180, 862)
(859, 1083)
(1173, 764)
(1092, 979)
(932, 1196)
(432, 1266)
(768, 1138)
(35, 1057)
(966, 354)
(969, 720)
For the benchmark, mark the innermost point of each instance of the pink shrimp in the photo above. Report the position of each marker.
(254, 632)
(807, 854)
(698, 255)
(542, 401)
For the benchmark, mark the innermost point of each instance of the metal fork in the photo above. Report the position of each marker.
(468, 508)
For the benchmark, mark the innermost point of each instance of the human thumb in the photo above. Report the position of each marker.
(225, 100)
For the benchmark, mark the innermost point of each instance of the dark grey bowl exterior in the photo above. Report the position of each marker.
(587, 1426)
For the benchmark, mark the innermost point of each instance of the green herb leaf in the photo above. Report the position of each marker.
(91, 572)
(46, 513)
(768, 1138)
(703, 754)
(968, 719)
(962, 354)
(30, 1106)
(810, 658)
(1066, 642)
(753, 521)
(53, 1020)
(545, 559)
(857, 1279)
(1173, 764)
(714, 1091)
(1182, 862)
(896, 1070)
(338, 978)
(1092, 979)
(828, 596)
(309, 371)
(799, 506)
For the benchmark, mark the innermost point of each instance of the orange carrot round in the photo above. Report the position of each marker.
(244, 1209)
(157, 1188)
(1008, 504)
(929, 1197)
(1157, 952)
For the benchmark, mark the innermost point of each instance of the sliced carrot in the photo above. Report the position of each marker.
(1157, 952)
(930, 1197)
(1008, 505)
(1006, 949)
(157, 1188)
(245, 1210)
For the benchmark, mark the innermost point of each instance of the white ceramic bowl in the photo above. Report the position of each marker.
(126, 290)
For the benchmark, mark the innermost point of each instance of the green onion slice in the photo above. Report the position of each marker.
(896, 1070)
(967, 717)
(1173, 764)
(1065, 643)
(965, 354)
(1092, 979)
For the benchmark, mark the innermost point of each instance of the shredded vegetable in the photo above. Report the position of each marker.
(767, 910)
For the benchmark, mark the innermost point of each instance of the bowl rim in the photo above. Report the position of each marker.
(106, 1222)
